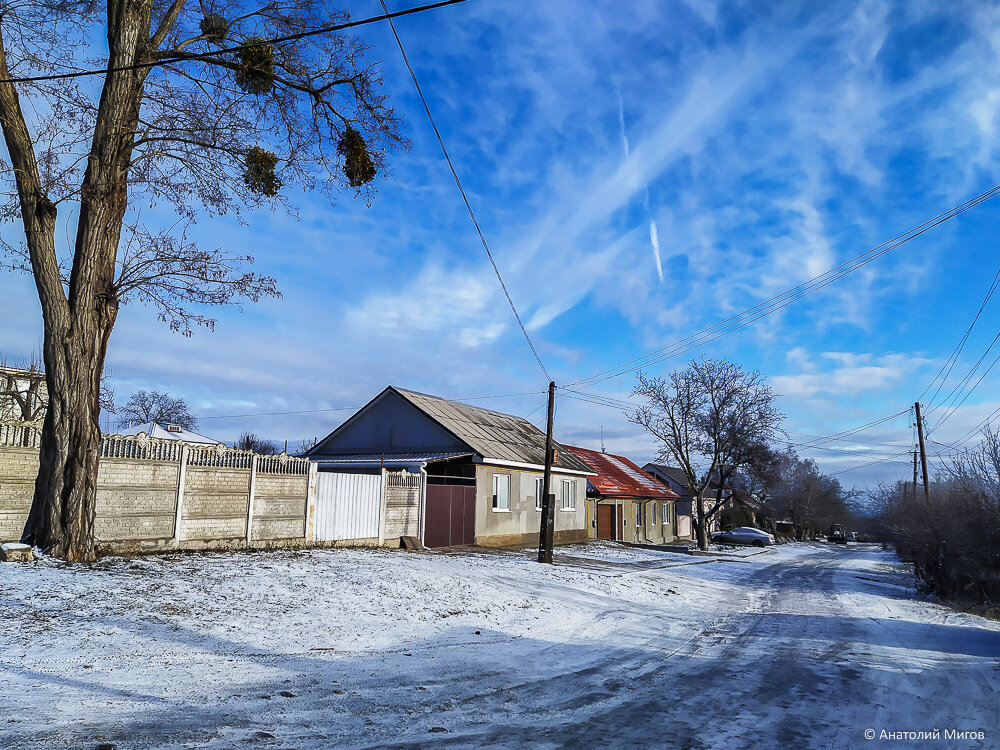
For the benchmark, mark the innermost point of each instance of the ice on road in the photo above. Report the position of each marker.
(804, 645)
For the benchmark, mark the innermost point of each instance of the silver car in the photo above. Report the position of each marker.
(745, 535)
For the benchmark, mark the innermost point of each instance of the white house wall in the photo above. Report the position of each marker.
(520, 525)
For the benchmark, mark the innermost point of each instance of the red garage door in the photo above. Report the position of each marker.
(451, 516)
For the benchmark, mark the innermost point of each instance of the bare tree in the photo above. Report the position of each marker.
(173, 123)
(306, 445)
(251, 442)
(807, 497)
(23, 398)
(153, 406)
(705, 418)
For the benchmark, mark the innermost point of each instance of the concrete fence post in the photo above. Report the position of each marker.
(178, 507)
(383, 492)
(309, 530)
(253, 491)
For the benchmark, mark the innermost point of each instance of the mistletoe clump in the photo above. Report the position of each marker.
(358, 165)
(214, 27)
(256, 66)
(259, 174)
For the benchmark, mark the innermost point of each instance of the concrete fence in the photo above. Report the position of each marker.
(162, 494)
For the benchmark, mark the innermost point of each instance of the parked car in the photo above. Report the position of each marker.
(852, 536)
(744, 535)
(837, 535)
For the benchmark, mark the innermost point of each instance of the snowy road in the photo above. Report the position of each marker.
(801, 646)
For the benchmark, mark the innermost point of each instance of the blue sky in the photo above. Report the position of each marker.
(641, 170)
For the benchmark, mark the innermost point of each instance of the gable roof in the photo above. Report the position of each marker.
(160, 432)
(674, 473)
(493, 436)
(619, 477)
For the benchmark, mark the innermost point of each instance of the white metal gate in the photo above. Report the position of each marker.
(348, 506)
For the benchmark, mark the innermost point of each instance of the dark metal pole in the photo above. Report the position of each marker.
(923, 453)
(546, 532)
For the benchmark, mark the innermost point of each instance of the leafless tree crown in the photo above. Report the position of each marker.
(152, 406)
(213, 135)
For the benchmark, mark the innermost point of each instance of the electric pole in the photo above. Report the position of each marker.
(923, 453)
(546, 533)
(914, 475)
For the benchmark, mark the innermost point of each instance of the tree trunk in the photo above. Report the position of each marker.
(61, 520)
(78, 320)
(701, 525)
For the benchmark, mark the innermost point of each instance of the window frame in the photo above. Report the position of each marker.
(539, 488)
(666, 514)
(572, 495)
(496, 508)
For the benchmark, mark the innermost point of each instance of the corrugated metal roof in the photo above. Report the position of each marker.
(618, 476)
(491, 434)
(673, 472)
(389, 459)
(160, 432)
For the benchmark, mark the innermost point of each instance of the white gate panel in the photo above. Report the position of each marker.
(348, 506)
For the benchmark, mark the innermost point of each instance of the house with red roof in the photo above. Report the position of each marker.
(625, 503)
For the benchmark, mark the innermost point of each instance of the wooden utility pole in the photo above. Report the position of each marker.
(923, 452)
(914, 475)
(546, 533)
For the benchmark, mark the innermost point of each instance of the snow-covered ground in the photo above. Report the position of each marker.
(804, 645)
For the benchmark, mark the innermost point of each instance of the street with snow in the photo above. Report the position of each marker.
(802, 645)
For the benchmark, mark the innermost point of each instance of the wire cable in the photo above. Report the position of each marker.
(782, 300)
(953, 357)
(238, 48)
(468, 205)
(355, 408)
(892, 459)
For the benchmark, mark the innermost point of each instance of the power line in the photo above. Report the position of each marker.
(782, 300)
(238, 48)
(355, 408)
(953, 357)
(458, 182)
(891, 459)
(956, 392)
(867, 442)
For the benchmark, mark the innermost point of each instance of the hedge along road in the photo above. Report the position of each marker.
(803, 645)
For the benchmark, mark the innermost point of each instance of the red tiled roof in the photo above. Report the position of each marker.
(619, 477)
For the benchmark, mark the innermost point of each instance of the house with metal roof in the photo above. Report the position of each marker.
(626, 503)
(674, 477)
(481, 471)
(167, 432)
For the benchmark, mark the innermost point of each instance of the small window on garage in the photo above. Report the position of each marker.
(652, 514)
(568, 494)
(501, 492)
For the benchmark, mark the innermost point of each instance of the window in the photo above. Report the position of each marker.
(666, 514)
(568, 494)
(539, 482)
(638, 515)
(652, 514)
(501, 492)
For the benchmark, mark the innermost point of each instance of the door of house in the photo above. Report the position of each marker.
(618, 522)
(451, 515)
(605, 522)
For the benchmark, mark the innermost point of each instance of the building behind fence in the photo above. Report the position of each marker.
(162, 494)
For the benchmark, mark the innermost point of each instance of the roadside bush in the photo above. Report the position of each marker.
(952, 539)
